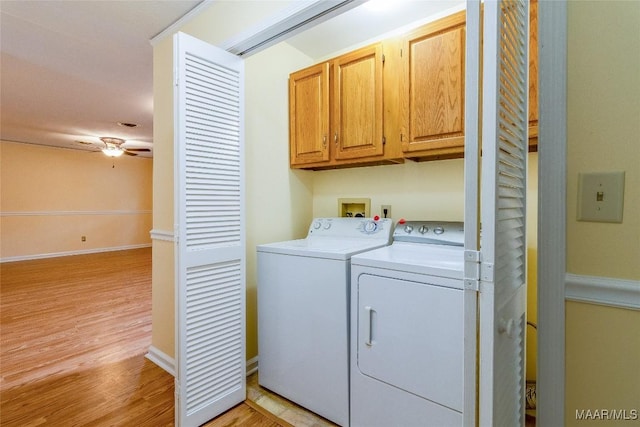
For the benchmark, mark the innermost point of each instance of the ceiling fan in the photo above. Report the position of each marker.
(113, 147)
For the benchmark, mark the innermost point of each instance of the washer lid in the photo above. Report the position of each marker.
(329, 248)
(432, 260)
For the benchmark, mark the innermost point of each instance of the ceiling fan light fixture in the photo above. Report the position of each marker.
(112, 146)
(112, 151)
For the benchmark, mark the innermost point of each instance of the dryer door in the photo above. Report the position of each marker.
(410, 336)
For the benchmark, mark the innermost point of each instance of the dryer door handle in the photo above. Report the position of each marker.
(370, 313)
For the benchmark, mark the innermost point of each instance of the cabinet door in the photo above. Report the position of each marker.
(434, 86)
(357, 104)
(309, 115)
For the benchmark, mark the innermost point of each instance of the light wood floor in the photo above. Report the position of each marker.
(74, 332)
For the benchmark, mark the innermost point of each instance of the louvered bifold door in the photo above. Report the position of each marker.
(503, 213)
(209, 230)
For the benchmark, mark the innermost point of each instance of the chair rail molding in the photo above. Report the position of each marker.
(164, 235)
(75, 213)
(603, 290)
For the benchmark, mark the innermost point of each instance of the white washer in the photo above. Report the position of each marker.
(303, 312)
(407, 329)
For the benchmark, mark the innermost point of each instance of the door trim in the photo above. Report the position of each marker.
(552, 147)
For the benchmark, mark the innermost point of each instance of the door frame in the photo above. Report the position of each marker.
(552, 217)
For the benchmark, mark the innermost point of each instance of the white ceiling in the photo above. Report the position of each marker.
(71, 70)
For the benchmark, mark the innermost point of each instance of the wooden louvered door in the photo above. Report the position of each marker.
(502, 298)
(209, 231)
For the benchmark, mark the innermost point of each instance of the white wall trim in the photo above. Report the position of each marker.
(603, 290)
(76, 213)
(168, 363)
(68, 253)
(252, 365)
(292, 20)
(175, 27)
(163, 235)
(162, 359)
(552, 216)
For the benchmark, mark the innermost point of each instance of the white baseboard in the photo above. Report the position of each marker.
(68, 253)
(252, 365)
(603, 291)
(161, 359)
(167, 363)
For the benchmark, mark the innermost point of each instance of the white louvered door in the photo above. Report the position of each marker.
(209, 231)
(503, 248)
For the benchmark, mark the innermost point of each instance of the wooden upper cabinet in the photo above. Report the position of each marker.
(336, 111)
(433, 89)
(400, 98)
(357, 122)
(309, 115)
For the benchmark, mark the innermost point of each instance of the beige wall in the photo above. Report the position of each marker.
(163, 273)
(279, 200)
(603, 343)
(52, 196)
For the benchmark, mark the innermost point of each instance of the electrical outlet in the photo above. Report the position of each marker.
(600, 196)
(385, 211)
(83, 238)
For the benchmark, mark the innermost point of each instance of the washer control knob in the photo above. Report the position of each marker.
(408, 229)
(423, 229)
(327, 225)
(438, 230)
(317, 225)
(370, 226)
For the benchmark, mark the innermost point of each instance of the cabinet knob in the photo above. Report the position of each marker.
(324, 141)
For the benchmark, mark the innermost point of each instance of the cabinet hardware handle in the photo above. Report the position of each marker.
(324, 141)
(335, 138)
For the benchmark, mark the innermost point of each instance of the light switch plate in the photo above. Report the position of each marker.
(600, 196)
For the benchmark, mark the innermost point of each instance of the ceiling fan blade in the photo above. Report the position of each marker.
(145, 150)
(128, 153)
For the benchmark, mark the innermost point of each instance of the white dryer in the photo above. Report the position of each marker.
(303, 312)
(407, 329)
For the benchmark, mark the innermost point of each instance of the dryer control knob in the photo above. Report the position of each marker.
(408, 229)
(438, 230)
(370, 226)
(423, 229)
